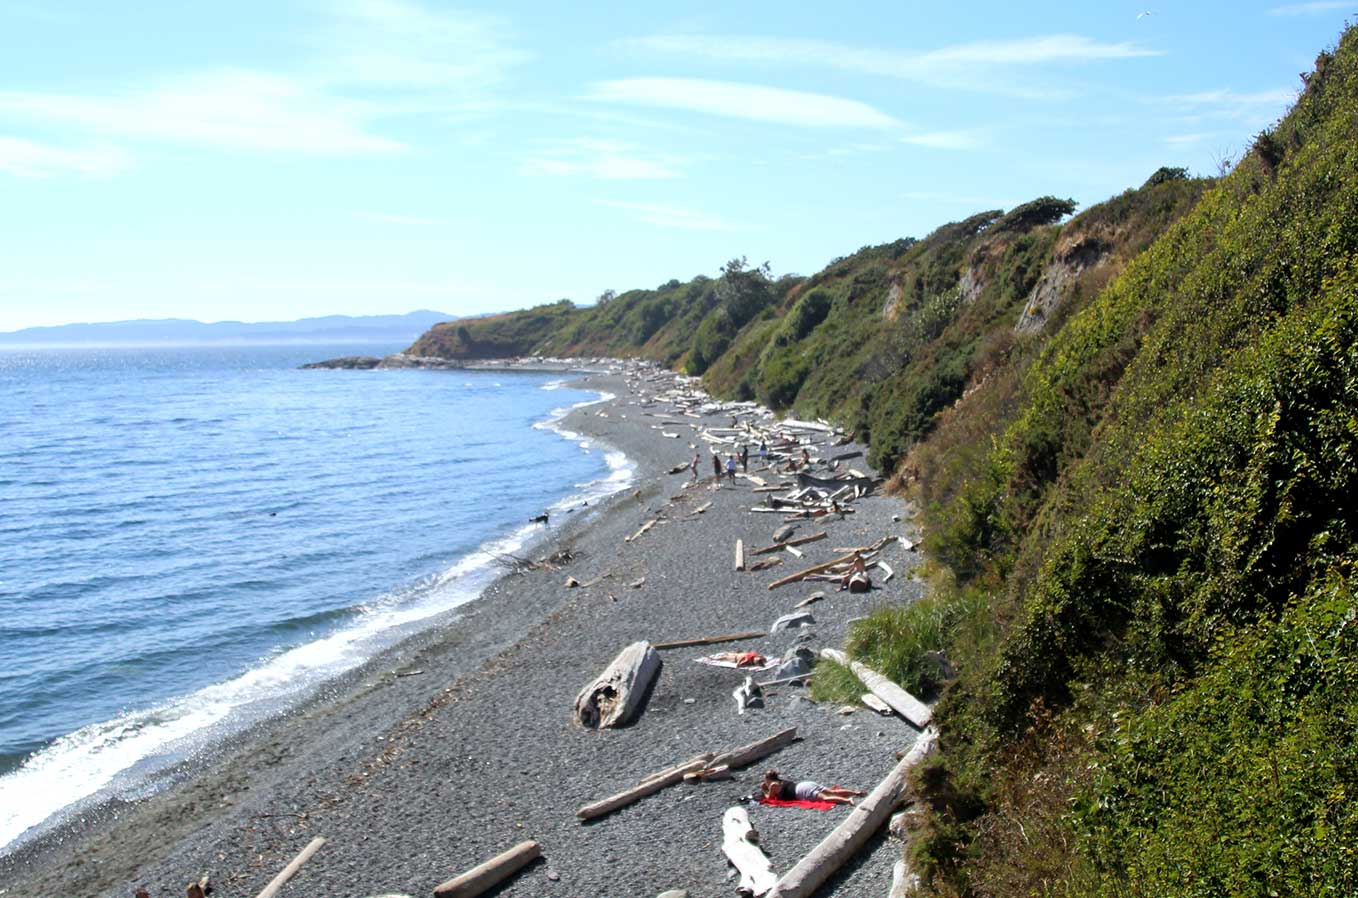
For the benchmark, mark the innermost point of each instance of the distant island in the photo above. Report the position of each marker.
(326, 329)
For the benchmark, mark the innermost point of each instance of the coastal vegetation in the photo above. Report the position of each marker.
(1132, 440)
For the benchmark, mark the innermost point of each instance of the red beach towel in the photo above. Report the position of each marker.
(809, 805)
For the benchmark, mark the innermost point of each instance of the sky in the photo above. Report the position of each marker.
(284, 159)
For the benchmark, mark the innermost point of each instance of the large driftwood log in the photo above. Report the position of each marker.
(902, 702)
(287, 872)
(616, 695)
(903, 880)
(740, 844)
(490, 874)
(865, 819)
(708, 640)
(650, 785)
(748, 754)
(802, 575)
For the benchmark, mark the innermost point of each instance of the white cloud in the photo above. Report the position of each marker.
(1306, 9)
(969, 65)
(945, 140)
(605, 160)
(31, 159)
(1254, 109)
(233, 109)
(1184, 139)
(674, 216)
(374, 60)
(752, 102)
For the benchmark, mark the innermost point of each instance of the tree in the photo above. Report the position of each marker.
(606, 297)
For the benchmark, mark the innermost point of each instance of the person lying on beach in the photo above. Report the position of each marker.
(774, 786)
(856, 578)
(741, 659)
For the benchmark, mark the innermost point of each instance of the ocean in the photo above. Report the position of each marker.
(194, 538)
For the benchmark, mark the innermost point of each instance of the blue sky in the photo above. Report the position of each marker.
(290, 158)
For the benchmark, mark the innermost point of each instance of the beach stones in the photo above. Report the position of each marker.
(795, 619)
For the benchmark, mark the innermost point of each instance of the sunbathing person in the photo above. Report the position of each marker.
(774, 786)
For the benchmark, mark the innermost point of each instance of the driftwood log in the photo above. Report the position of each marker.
(748, 754)
(811, 872)
(902, 702)
(615, 696)
(740, 844)
(903, 881)
(484, 877)
(291, 869)
(648, 786)
(708, 640)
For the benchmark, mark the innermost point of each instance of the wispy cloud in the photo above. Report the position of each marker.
(945, 140)
(602, 159)
(372, 60)
(752, 102)
(1253, 109)
(936, 196)
(1310, 9)
(674, 216)
(1185, 139)
(32, 159)
(972, 66)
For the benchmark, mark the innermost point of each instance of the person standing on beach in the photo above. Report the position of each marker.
(716, 468)
(764, 453)
(693, 466)
(745, 457)
(731, 467)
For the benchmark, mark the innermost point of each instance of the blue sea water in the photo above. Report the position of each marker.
(192, 538)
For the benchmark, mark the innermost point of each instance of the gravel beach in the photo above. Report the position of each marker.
(460, 742)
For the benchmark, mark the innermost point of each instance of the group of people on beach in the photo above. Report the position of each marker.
(729, 468)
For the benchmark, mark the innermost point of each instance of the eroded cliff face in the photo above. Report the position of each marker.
(1074, 255)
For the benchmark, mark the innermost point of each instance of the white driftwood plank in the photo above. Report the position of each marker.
(648, 786)
(740, 844)
(902, 702)
(293, 866)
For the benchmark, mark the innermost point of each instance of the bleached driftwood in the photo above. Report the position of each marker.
(615, 696)
(708, 640)
(644, 527)
(648, 786)
(748, 695)
(903, 880)
(876, 704)
(846, 839)
(740, 844)
(786, 543)
(902, 702)
(803, 574)
(485, 876)
(291, 869)
(740, 555)
(748, 754)
(708, 774)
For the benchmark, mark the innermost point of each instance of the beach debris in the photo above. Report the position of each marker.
(678, 469)
(766, 563)
(900, 701)
(740, 844)
(873, 703)
(903, 880)
(637, 583)
(792, 620)
(794, 552)
(572, 583)
(889, 572)
(748, 695)
(417, 672)
(644, 527)
(736, 757)
(709, 640)
(810, 600)
(784, 532)
(616, 695)
(486, 876)
(291, 869)
(702, 508)
(845, 710)
(709, 774)
(740, 555)
(648, 786)
(853, 833)
(789, 543)
(674, 893)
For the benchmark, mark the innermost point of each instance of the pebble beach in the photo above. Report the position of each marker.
(461, 742)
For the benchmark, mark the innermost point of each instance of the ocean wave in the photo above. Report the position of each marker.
(128, 755)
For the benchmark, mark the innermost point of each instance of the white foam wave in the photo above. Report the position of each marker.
(117, 757)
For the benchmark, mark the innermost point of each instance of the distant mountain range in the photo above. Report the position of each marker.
(328, 329)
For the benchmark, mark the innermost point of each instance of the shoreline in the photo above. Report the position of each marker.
(373, 738)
